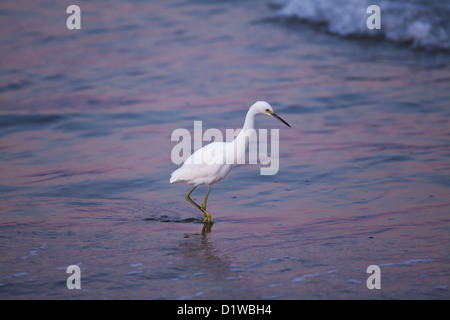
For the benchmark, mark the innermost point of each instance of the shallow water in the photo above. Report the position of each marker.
(85, 125)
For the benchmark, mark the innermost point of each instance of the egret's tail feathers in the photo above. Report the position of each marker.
(174, 177)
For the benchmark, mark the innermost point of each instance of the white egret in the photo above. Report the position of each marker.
(212, 162)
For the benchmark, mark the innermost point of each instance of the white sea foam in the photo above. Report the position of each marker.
(423, 24)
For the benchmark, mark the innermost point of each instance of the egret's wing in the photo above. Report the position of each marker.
(212, 153)
(202, 165)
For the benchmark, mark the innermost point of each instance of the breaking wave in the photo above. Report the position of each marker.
(420, 23)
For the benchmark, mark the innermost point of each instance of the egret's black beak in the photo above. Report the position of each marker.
(279, 118)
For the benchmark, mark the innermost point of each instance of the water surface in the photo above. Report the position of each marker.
(85, 125)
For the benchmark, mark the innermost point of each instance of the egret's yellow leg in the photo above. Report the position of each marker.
(206, 215)
(188, 198)
(206, 198)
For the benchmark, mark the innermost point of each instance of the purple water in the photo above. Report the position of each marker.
(85, 125)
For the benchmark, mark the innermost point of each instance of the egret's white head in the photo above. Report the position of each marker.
(265, 108)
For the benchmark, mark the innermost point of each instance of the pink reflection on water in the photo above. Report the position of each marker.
(358, 183)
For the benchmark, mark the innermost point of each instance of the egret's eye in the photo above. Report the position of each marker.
(267, 110)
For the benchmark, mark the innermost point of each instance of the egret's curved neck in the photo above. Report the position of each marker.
(249, 120)
(240, 143)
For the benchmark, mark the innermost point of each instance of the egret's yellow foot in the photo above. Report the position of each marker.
(207, 217)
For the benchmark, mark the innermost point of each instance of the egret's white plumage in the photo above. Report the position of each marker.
(204, 166)
(214, 161)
